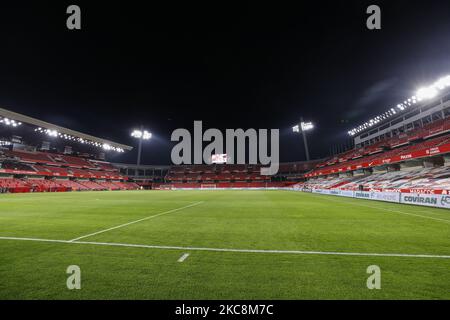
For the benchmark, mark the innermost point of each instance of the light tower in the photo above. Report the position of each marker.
(142, 135)
(303, 127)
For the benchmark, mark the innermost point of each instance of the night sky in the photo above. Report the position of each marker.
(232, 65)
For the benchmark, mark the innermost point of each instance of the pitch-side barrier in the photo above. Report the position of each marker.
(421, 199)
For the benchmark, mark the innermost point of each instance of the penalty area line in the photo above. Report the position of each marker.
(260, 251)
(136, 221)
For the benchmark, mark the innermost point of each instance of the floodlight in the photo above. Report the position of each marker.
(141, 135)
(427, 93)
(442, 82)
(136, 134)
(424, 93)
(147, 135)
(307, 126)
(303, 127)
(51, 133)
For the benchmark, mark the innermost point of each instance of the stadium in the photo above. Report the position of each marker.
(227, 221)
(80, 219)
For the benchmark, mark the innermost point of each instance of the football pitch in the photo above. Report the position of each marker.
(220, 245)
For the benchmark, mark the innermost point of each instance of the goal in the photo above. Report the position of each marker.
(166, 187)
(208, 186)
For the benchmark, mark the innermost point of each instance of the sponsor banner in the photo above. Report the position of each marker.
(321, 191)
(380, 161)
(362, 195)
(429, 200)
(347, 193)
(422, 199)
(335, 192)
(444, 201)
(385, 196)
(379, 196)
(423, 191)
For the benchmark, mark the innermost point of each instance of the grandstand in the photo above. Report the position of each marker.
(403, 149)
(406, 153)
(434, 179)
(222, 176)
(30, 164)
(215, 175)
(37, 172)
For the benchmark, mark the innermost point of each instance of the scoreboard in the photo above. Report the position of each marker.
(219, 158)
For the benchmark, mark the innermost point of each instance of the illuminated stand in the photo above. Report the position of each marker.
(423, 94)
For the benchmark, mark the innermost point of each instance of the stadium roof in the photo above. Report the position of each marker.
(20, 118)
(425, 93)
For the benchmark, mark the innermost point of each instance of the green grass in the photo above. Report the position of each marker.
(267, 220)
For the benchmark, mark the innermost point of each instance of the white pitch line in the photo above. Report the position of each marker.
(136, 221)
(183, 257)
(390, 210)
(296, 252)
